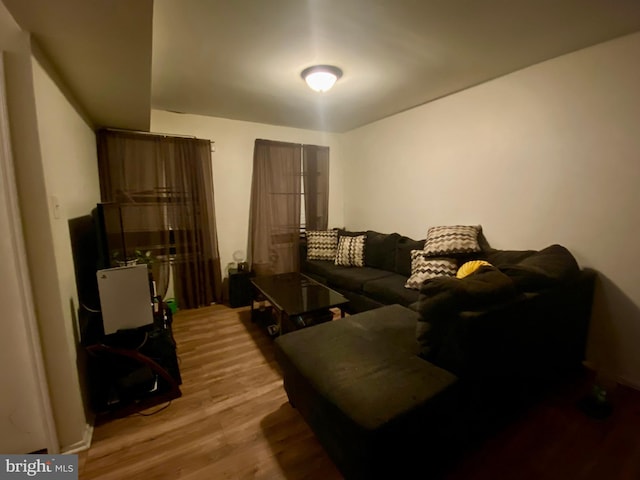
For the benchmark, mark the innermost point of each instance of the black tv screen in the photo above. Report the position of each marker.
(110, 234)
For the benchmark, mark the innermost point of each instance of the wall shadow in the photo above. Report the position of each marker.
(614, 328)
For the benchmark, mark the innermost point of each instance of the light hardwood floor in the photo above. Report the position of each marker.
(234, 422)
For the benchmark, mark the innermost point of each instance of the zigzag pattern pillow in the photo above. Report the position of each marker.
(321, 244)
(450, 240)
(350, 252)
(424, 268)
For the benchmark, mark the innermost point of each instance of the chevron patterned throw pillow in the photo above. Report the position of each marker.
(423, 268)
(321, 244)
(350, 251)
(454, 239)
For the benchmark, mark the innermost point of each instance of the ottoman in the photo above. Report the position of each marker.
(375, 406)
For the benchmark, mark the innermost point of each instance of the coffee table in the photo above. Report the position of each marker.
(298, 300)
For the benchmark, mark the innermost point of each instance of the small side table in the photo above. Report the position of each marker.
(239, 288)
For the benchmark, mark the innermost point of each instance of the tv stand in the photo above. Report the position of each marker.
(134, 369)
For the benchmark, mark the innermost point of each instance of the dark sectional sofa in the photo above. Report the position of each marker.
(397, 392)
(380, 282)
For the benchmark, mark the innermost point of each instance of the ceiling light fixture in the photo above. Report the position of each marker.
(321, 77)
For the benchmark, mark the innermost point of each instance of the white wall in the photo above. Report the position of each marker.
(71, 172)
(70, 166)
(55, 155)
(233, 165)
(29, 183)
(548, 154)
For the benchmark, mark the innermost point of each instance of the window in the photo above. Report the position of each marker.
(289, 192)
(164, 185)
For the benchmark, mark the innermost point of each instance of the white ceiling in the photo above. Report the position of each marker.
(101, 49)
(241, 59)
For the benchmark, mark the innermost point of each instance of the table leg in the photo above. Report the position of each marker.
(282, 320)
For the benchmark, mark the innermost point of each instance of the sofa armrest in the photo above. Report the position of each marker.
(536, 335)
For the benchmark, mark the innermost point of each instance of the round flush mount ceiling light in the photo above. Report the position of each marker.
(321, 77)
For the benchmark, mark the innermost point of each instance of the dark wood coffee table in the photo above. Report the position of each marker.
(298, 300)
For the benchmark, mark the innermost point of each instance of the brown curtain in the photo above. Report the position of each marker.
(164, 188)
(316, 186)
(274, 235)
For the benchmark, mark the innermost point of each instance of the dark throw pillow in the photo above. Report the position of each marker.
(380, 250)
(548, 267)
(403, 254)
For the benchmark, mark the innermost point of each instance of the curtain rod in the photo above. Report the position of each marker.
(290, 143)
(122, 130)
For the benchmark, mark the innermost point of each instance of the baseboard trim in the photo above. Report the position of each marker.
(83, 444)
(628, 383)
(620, 379)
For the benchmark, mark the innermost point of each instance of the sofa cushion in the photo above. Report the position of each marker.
(424, 268)
(444, 297)
(393, 324)
(379, 251)
(452, 239)
(321, 244)
(498, 258)
(350, 251)
(354, 279)
(369, 379)
(546, 268)
(349, 233)
(486, 287)
(323, 269)
(390, 290)
(403, 254)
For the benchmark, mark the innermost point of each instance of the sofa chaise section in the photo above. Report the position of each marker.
(365, 393)
(393, 390)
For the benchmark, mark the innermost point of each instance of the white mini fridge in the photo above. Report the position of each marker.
(125, 297)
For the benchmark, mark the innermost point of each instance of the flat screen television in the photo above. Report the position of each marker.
(111, 238)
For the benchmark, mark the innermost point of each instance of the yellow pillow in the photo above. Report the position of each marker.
(469, 267)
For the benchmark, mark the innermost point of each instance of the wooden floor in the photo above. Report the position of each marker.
(233, 422)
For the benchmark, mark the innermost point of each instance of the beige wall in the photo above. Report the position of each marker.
(233, 164)
(50, 154)
(548, 154)
(71, 171)
(72, 189)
